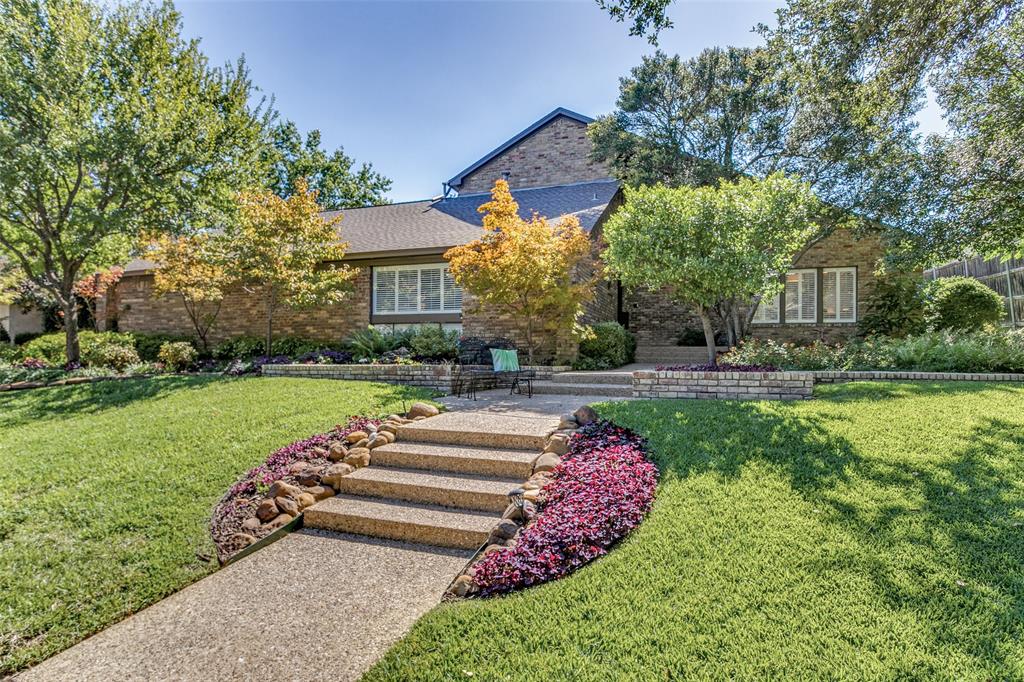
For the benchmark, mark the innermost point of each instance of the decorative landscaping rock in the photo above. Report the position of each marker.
(463, 586)
(267, 510)
(505, 530)
(568, 421)
(388, 428)
(337, 452)
(291, 473)
(557, 444)
(320, 492)
(422, 410)
(547, 462)
(357, 436)
(240, 541)
(585, 415)
(358, 458)
(287, 505)
(282, 489)
(523, 515)
(332, 477)
(280, 522)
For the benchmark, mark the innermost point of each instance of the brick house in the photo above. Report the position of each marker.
(403, 278)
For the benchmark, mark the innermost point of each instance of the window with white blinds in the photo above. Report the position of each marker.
(406, 289)
(767, 311)
(839, 294)
(802, 296)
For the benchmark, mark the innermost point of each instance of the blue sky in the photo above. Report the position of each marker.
(424, 88)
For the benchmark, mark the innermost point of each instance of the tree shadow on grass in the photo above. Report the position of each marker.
(22, 407)
(940, 536)
(891, 390)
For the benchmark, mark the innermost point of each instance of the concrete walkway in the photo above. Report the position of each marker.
(312, 606)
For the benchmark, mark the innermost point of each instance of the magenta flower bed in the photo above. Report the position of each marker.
(599, 493)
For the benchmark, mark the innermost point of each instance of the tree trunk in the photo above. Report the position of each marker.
(71, 347)
(709, 334)
(529, 339)
(737, 323)
(270, 321)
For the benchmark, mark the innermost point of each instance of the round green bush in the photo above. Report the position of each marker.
(50, 347)
(961, 304)
(111, 356)
(177, 355)
(609, 345)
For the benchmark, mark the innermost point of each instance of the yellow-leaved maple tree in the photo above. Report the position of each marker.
(539, 270)
(286, 251)
(192, 267)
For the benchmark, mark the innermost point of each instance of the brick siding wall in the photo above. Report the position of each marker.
(241, 313)
(657, 320)
(556, 154)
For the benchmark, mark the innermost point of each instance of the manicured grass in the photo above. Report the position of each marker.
(107, 489)
(874, 533)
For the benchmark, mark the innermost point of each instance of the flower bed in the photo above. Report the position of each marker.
(599, 492)
(300, 465)
(716, 368)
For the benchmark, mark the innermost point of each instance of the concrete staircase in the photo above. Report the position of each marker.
(675, 355)
(443, 482)
(612, 383)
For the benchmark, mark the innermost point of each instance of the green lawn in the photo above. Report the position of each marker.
(874, 533)
(107, 489)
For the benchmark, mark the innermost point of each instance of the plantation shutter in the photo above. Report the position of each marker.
(767, 311)
(384, 291)
(430, 290)
(839, 294)
(408, 291)
(452, 292)
(801, 296)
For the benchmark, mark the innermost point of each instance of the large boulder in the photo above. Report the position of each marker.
(585, 415)
(422, 410)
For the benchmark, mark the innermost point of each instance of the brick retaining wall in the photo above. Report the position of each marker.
(729, 385)
(436, 377)
(776, 385)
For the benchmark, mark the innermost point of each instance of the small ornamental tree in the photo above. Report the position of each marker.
(532, 268)
(721, 247)
(286, 251)
(192, 267)
(91, 287)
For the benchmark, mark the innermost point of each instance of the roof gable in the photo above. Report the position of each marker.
(457, 180)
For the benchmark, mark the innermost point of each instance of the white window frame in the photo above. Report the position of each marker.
(447, 285)
(801, 320)
(838, 271)
(771, 305)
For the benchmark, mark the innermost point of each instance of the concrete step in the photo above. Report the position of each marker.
(456, 458)
(618, 378)
(557, 388)
(463, 491)
(476, 429)
(399, 520)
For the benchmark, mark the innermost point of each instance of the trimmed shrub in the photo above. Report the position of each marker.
(50, 347)
(895, 306)
(240, 347)
(716, 368)
(178, 356)
(434, 344)
(110, 355)
(24, 337)
(607, 346)
(961, 304)
(601, 490)
(148, 345)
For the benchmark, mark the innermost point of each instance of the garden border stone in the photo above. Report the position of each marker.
(437, 377)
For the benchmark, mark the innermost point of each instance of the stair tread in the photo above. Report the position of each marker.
(401, 511)
(428, 479)
(462, 451)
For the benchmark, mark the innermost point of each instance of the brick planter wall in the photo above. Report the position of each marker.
(437, 377)
(727, 385)
(776, 385)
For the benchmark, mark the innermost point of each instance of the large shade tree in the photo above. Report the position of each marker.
(731, 112)
(110, 123)
(336, 178)
(720, 247)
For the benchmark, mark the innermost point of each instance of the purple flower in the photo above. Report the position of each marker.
(716, 368)
(601, 491)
